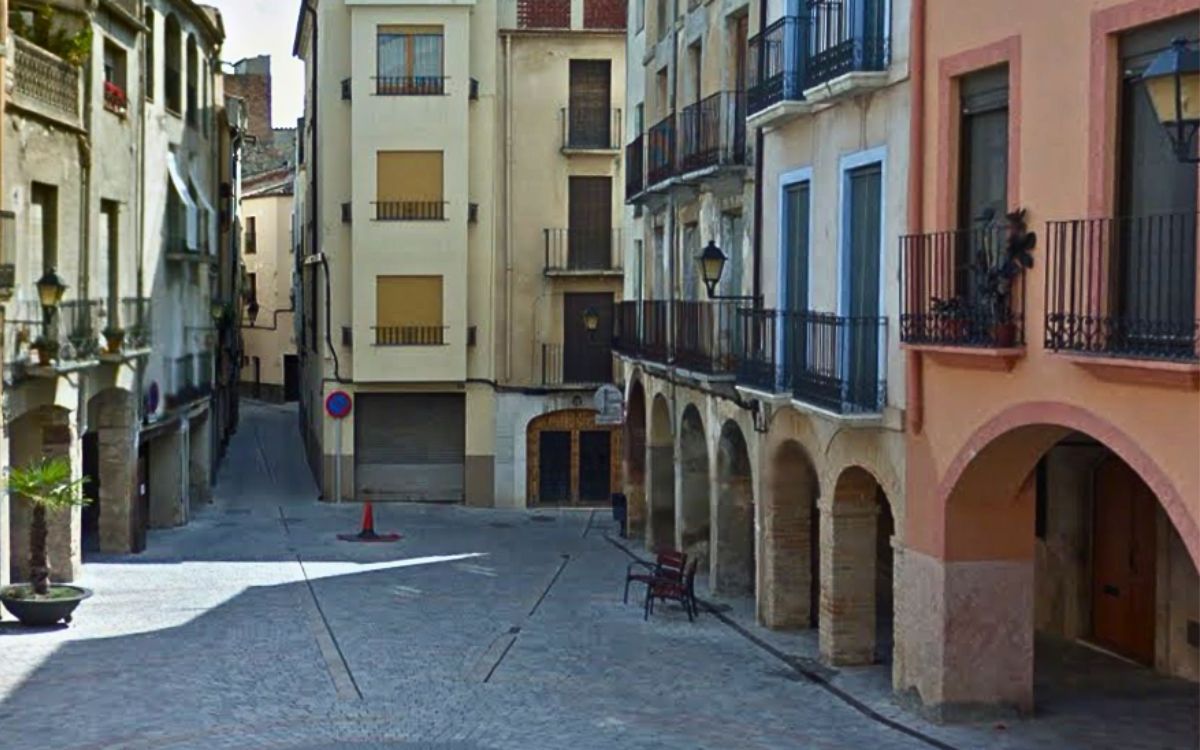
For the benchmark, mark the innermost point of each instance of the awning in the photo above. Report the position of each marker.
(210, 213)
(185, 195)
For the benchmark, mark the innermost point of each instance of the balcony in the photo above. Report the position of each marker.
(188, 379)
(583, 252)
(712, 132)
(557, 370)
(640, 330)
(1123, 288)
(409, 335)
(700, 336)
(115, 100)
(135, 319)
(776, 73)
(410, 85)
(410, 210)
(79, 325)
(831, 362)
(635, 167)
(846, 39)
(45, 84)
(958, 290)
(661, 151)
(591, 129)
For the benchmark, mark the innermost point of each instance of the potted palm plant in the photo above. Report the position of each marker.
(47, 485)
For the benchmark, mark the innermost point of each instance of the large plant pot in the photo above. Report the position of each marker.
(44, 612)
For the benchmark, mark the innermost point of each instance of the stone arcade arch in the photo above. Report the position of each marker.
(661, 470)
(790, 559)
(733, 569)
(635, 460)
(694, 521)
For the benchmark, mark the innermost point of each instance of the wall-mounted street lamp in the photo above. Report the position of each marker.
(712, 266)
(252, 311)
(50, 289)
(591, 322)
(1173, 82)
(217, 311)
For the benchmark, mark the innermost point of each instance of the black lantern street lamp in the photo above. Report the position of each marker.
(252, 311)
(1173, 83)
(712, 266)
(50, 290)
(591, 322)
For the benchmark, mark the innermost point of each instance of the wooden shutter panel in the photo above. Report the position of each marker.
(409, 176)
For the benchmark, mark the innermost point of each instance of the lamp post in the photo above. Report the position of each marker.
(712, 266)
(50, 290)
(1173, 83)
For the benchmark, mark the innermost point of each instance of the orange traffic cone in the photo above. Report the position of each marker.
(367, 534)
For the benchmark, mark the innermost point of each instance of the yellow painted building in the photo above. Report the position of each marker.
(458, 203)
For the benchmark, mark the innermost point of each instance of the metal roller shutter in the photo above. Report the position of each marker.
(410, 447)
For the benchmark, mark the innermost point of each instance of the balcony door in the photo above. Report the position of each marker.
(587, 355)
(862, 307)
(983, 181)
(589, 124)
(797, 209)
(1155, 258)
(590, 219)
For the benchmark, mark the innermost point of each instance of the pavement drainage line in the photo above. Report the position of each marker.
(561, 566)
(510, 638)
(813, 677)
(586, 529)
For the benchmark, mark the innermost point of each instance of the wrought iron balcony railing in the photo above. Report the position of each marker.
(776, 72)
(591, 128)
(635, 166)
(640, 329)
(833, 362)
(661, 156)
(701, 336)
(135, 319)
(1123, 287)
(410, 85)
(845, 36)
(581, 250)
(409, 335)
(557, 369)
(959, 288)
(712, 131)
(79, 326)
(410, 210)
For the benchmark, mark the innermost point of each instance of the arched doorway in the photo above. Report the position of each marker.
(856, 584)
(570, 459)
(790, 533)
(661, 469)
(635, 460)
(733, 571)
(694, 523)
(1067, 533)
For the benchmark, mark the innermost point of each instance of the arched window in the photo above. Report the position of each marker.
(151, 72)
(173, 42)
(193, 76)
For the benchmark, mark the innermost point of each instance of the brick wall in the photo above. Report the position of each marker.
(544, 14)
(255, 90)
(604, 14)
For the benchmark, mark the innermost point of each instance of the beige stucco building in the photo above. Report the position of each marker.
(268, 254)
(450, 267)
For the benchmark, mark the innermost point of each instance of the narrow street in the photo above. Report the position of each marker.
(254, 627)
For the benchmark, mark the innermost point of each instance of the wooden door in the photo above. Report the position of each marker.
(554, 467)
(589, 241)
(587, 355)
(595, 466)
(1123, 563)
(589, 124)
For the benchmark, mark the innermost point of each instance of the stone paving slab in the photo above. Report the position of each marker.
(254, 627)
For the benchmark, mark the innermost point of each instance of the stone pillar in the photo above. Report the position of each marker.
(168, 479)
(732, 571)
(848, 572)
(200, 461)
(117, 432)
(661, 499)
(635, 494)
(47, 432)
(787, 565)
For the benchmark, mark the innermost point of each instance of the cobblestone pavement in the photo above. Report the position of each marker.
(253, 627)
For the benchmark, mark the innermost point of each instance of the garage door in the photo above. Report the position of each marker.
(409, 447)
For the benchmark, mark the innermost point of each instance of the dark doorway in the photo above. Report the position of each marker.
(91, 490)
(141, 505)
(291, 377)
(590, 218)
(1123, 562)
(595, 462)
(554, 457)
(587, 355)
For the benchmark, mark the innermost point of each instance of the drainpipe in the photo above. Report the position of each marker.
(85, 189)
(508, 216)
(759, 170)
(915, 395)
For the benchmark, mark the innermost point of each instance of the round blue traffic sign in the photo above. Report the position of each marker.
(338, 404)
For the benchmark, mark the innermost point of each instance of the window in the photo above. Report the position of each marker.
(409, 186)
(695, 66)
(408, 311)
(659, 270)
(662, 88)
(251, 235)
(639, 14)
(638, 290)
(732, 235)
(43, 218)
(589, 121)
(691, 269)
(639, 118)
(409, 61)
(252, 287)
(173, 72)
(796, 218)
(110, 214)
(151, 73)
(662, 18)
(192, 76)
(982, 180)
(116, 73)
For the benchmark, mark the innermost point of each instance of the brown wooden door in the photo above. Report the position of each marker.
(590, 219)
(590, 124)
(587, 356)
(1123, 562)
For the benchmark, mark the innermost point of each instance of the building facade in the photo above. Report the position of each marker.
(106, 122)
(457, 274)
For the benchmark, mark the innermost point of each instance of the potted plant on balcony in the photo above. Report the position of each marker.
(114, 339)
(48, 487)
(47, 350)
(1017, 258)
(952, 319)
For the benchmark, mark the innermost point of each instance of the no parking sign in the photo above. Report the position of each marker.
(338, 405)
